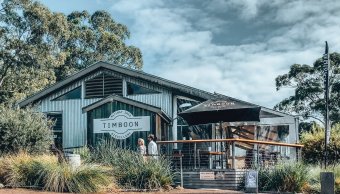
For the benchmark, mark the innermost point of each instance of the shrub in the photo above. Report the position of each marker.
(131, 170)
(84, 152)
(23, 129)
(284, 177)
(315, 182)
(314, 143)
(45, 172)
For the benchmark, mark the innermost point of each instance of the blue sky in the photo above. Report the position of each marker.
(235, 47)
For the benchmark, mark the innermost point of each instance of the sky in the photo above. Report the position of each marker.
(236, 47)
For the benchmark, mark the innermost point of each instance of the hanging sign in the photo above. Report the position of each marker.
(121, 124)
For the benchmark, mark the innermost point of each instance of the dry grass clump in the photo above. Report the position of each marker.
(284, 177)
(131, 170)
(46, 172)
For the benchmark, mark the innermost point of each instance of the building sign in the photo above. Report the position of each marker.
(121, 124)
(207, 175)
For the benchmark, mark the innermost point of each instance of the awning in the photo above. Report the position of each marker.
(223, 109)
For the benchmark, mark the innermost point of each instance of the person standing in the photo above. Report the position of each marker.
(141, 147)
(152, 147)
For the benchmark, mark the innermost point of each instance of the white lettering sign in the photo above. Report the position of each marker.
(219, 104)
(207, 175)
(121, 124)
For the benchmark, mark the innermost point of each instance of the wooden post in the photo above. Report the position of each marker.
(256, 147)
(181, 160)
(174, 122)
(233, 155)
(158, 128)
(195, 155)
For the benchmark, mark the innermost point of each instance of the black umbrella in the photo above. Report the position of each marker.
(221, 109)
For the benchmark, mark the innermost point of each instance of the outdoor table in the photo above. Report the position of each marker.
(211, 153)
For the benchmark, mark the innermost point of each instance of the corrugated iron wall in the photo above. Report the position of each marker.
(162, 100)
(75, 122)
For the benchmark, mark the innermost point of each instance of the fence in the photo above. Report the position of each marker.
(228, 153)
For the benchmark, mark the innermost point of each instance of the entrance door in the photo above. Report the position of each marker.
(57, 128)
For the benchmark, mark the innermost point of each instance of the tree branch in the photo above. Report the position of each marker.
(310, 116)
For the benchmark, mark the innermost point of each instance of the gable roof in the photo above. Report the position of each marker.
(120, 69)
(135, 103)
(181, 88)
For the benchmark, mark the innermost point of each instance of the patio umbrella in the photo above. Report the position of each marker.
(221, 109)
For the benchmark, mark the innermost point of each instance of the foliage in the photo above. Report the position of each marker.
(314, 143)
(131, 170)
(284, 177)
(39, 47)
(84, 152)
(306, 126)
(46, 172)
(308, 99)
(315, 182)
(23, 129)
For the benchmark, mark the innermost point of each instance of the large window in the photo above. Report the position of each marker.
(102, 86)
(57, 128)
(73, 94)
(133, 89)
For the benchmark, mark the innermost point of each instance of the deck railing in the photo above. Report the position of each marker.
(221, 154)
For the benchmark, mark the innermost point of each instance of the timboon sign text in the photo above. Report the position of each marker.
(121, 124)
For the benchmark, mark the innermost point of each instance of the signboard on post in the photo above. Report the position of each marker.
(121, 124)
(326, 62)
(251, 181)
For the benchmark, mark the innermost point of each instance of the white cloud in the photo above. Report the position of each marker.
(176, 49)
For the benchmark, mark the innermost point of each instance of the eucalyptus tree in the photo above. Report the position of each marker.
(39, 47)
(308, 82)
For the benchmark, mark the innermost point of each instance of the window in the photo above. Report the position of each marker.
(103, 86)
(133, 89)
(73, 94)
(57, 128)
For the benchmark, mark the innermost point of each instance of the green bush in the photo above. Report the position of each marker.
(84, 152)
(284, 177)
(314, 143)
(23, 129)
(46, 172)
(315, 182)
(131, 170)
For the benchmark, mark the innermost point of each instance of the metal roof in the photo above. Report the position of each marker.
(180, 88)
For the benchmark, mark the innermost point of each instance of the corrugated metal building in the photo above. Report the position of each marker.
(100, 90)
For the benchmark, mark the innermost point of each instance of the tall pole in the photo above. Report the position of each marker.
(326, 62)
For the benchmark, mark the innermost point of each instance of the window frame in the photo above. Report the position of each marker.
(81, 97)
(103, 83)
(127, 90)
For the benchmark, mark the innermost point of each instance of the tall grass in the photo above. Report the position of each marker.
(131, 170)
(284, 177)
(315, 182)
(46, 172)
